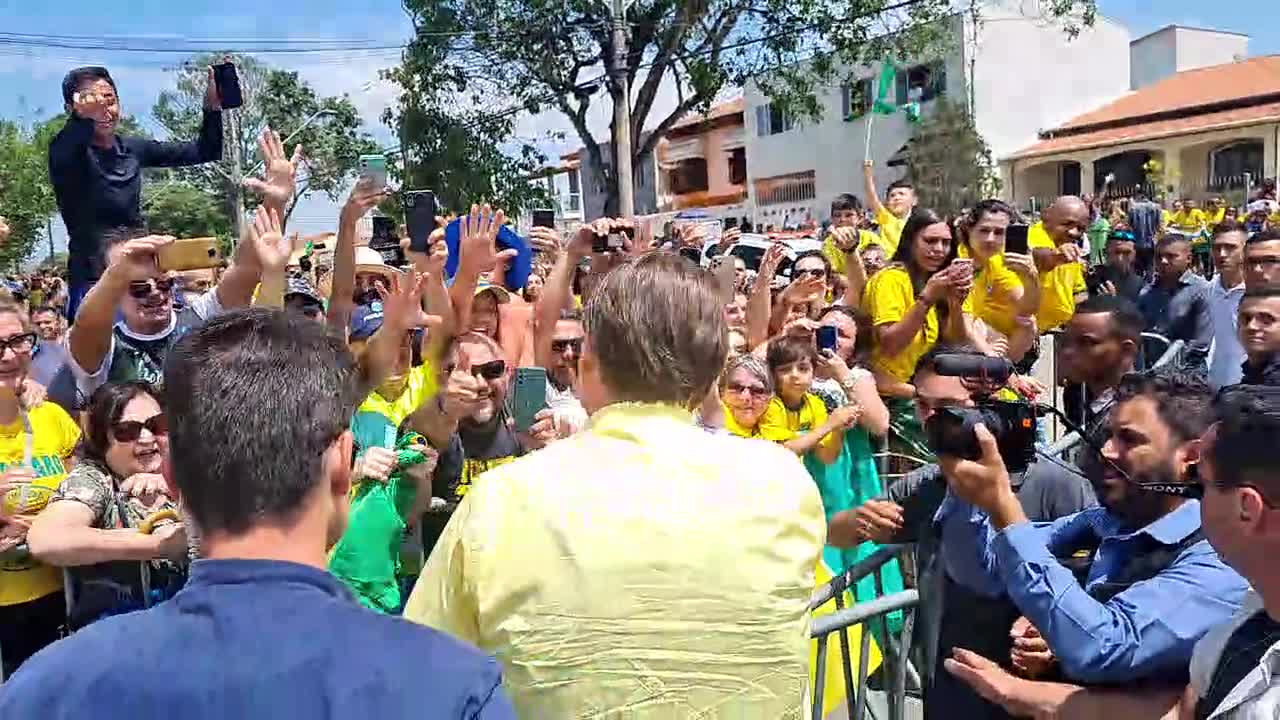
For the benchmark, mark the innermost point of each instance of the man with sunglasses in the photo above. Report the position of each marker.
(1153, 585)
(134, 289)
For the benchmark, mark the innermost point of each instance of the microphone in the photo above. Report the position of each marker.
(997, 369)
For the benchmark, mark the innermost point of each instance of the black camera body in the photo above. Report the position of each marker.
(950, 431)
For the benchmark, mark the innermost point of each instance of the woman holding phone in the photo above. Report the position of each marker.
(1000, 309)
(913, 302)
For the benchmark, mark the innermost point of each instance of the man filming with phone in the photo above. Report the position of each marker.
(97, 174)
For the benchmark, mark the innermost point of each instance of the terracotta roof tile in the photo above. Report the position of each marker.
(726, 108)
(1186, 90)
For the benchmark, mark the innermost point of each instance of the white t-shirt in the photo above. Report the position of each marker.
(1257, 696)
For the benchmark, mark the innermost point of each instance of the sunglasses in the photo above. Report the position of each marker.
(811, 272)
(559, 346)
(18, 343)
(491, 370)
(757, 391)
(142, 288)
(131, 430)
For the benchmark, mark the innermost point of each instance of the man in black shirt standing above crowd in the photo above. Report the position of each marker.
(97, 175)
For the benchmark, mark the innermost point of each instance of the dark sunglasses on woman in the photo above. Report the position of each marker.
(491, 370)
(130, 430)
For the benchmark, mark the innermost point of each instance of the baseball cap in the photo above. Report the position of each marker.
(365, 321)
(300, 286)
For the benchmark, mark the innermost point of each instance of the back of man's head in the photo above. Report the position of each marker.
(655, 332)
(255, 400)
(1248, 423)
(1127, 322)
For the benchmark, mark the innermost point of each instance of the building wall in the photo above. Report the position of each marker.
(1153, 58)
(1174, 49)
(1029, 76)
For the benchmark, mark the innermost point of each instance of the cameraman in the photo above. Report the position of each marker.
(1154, 585)
(1046, 490)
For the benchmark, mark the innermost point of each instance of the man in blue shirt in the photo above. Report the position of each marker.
(1175, 303)
(97, 175)
(259, 403)
(1154, 586)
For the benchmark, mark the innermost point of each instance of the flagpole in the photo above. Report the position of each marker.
(871, 116)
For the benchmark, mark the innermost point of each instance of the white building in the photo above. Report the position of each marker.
(1020, 71)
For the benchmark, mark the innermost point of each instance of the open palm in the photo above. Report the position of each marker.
(280, 178)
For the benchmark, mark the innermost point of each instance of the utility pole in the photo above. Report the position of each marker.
(622, 112)
(48, 226)
(237, 175)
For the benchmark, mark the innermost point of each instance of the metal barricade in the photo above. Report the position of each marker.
(897, 668)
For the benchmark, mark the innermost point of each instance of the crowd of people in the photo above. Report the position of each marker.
(298, 489)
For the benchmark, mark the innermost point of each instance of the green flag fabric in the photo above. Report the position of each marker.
(886, 89)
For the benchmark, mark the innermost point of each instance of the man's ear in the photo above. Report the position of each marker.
(342, 457)
(1187, 460)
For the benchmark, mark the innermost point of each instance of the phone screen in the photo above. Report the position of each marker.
(530, 396)
(419, 218)
(1015, 239)
(544, 218)
(224, 76)
(827, 335)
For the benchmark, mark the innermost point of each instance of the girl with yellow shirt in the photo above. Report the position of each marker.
(796, 417)
(1006, 286)
(36, 443)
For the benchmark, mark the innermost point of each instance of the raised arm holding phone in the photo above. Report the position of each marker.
(97, 174)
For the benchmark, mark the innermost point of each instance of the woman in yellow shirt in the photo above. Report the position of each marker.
(745, 390)
(797, 417)
(36, 443)
(912, 302)
(1006, 286)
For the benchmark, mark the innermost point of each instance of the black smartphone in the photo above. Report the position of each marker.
(419, 218)
(1015, 239)
(224, 76)
(544, 218)
(827, 337)
(384, 240)
(612, 242)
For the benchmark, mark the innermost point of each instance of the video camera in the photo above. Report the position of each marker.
(950, 430)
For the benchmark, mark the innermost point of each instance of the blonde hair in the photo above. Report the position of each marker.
(9, 306)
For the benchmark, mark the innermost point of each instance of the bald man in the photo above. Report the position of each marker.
(1055, 245)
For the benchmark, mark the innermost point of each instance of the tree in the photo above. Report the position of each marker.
(181, 209)
(463, 155)
(557, 54)
(26, 195)
(332, 141)
(949, 162)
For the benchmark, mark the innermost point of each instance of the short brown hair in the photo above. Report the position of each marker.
(657, 326)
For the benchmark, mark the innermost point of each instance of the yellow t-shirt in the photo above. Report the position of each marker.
(991, 299)
(888, 297)
(55, 436)
(781, 424)
(1058, 287)
(837, 257)
(890, 229)
(1188, 221)
(731, 425)
(1216, 217)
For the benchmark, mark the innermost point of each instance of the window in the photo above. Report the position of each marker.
(796, 187)
(922, 83)
(1229, 163)
(771, 120)
(738, 166)
(688, 176)
(855, 99)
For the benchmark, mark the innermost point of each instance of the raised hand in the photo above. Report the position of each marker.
(363, 198)
(846, 238)
(545, 240)
(402, 304)
(1024, 266)
(92, 105)
(773, 257)
(478, 239)
(432, 261)
(281, 173)
(137, 258)
(268, 240)
(461, 391)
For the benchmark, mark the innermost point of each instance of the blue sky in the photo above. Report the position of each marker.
(29, 80)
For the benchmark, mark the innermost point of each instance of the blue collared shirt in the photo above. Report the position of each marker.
(257, 639)
(1147, 631)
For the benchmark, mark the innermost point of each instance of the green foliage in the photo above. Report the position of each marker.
(332, 143)
(949, 162)
(183, 210)
(26, 196)
(549, 54)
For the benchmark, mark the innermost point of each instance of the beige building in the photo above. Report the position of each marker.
(1210, 131)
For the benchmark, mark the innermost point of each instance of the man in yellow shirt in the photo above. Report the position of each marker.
(892, 214)
(1189, 219)
(643, 568)
(846, 236)
(1215, 212)
(1054, 244)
